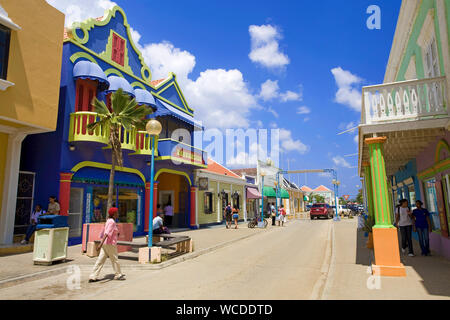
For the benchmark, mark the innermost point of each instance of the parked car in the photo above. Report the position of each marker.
(321, 210)
(344, 210)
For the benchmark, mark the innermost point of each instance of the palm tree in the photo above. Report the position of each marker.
(125, 113)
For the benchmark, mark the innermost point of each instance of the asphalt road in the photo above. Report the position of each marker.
(285, 263)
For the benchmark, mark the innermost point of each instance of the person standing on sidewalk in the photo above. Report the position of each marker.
(422, 227)
(228, 215)
(108, 248)
(235, 216)
(404, 221)
(33, 223)
(282, 216)
(273, 213)
(168, 214)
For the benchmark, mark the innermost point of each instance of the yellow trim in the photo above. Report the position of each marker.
(180, 173)
(172, 104)
(442, 144)
(80, 55)
(138, 84)
(180, 94)
(169, 139)
(107, 167)
(114, 71)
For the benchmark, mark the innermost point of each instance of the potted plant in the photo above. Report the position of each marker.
(369, 222)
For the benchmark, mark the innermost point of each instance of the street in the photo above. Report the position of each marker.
(284, 263)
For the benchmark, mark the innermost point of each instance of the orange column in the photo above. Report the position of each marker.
(155, 199)
(64, 192)
(193, 208)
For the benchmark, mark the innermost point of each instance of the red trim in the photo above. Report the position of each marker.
(193, 221)
(155, 199)
(64, 192)
(118, 50)
(147, 205)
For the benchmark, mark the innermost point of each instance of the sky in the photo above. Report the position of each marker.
(298, 66)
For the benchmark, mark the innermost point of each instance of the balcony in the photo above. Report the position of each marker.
(180, 152)
(405, 101)
(78, 131)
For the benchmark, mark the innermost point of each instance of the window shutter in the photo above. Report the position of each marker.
(79, 97)
(122, 52)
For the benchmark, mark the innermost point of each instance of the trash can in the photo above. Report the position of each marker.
(51, 238)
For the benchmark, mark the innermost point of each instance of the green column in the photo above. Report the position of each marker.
(380, 194)
(368, 185)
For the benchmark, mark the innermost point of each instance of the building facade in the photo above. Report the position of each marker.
(403, 135)
(30, 71)
(73, 163)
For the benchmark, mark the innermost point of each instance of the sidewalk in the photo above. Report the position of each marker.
(427, 277)
(20, 268)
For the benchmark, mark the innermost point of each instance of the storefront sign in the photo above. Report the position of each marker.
(184, 154)
(88, 204)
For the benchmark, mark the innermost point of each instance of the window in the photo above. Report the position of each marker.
(86, 92)
(430, 194)
(5, 36)
(209, 202)
(432, 60)
(118, 49)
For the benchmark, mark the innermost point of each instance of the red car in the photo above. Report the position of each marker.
(321, 210)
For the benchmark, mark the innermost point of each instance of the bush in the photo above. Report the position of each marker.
(369, 222)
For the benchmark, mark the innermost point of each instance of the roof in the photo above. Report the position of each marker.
(156, 82)
(250, 172)
(306, 189)
(217, 168)
(322, 189)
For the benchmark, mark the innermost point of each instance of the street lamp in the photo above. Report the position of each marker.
(263, 174)
(153, 128)
(336, 184)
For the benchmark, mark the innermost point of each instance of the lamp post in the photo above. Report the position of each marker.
(336, 184)
(153, 128)
(263, 173)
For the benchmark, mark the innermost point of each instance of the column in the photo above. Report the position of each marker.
(368, 186)
(65, 179)
(147, 205)
(10, 182)
(155, 199)
(385, 237)
(193, 209)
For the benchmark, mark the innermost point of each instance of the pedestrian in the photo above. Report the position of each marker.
(235, 216)
(273, 213)
(159, 210)
(227, 214)
(404, 221)
(168, 213)
(33, 223)
(108, 247)
(422, 225)
(158, 225)
(282, 216)
(53, 206)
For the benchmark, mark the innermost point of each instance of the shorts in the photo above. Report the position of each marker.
(235, 216)
(228, 217)
(281, 218)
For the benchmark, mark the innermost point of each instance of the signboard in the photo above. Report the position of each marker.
(346, 197)
(203, 184)
(185, 154)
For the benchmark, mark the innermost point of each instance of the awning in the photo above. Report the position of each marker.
(284, 194)
(269, 192)
(165, 109)
(89, 70)
(6, 20)
(116, 83)
(101, 177)
(145, 97)
(253, 193)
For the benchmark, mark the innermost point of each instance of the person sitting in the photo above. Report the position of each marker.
(53, 206)
(158, 225)
(33, 223)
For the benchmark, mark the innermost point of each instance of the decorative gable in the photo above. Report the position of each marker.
(109, 38)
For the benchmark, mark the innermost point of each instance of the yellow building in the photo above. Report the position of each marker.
(30, 67)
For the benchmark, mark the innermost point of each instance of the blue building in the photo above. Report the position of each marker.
(72, 163)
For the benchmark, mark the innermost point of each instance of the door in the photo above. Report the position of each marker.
(75, 219)
(24, 202)
(432, 205)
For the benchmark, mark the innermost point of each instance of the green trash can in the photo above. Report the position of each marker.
(50, 245)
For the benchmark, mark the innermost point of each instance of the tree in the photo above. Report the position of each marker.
(359, 197)
(342, 201)
(125, 113)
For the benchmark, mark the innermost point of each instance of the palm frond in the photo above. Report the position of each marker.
(100, 107)
(119, 100)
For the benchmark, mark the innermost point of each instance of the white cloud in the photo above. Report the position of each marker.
(265, 47)
(273, 112)
(303, 110)
(341, 162)
(356, 139)
(288, 144)
(349, 93)
(80, 10)
(306, 119)
(271, 90)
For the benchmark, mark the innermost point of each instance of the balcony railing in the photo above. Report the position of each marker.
(78, 131)
(406, 100)
(181, 152)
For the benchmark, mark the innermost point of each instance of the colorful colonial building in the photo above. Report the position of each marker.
(30, 70)
(73, 163)
(404, 132)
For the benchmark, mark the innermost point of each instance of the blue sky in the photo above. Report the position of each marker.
(312, 56)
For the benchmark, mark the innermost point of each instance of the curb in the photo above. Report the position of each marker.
(45, 274)
(322, 283)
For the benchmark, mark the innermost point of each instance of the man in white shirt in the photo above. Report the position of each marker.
(158, 225)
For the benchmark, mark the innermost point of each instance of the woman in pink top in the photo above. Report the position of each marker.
(108, 248)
